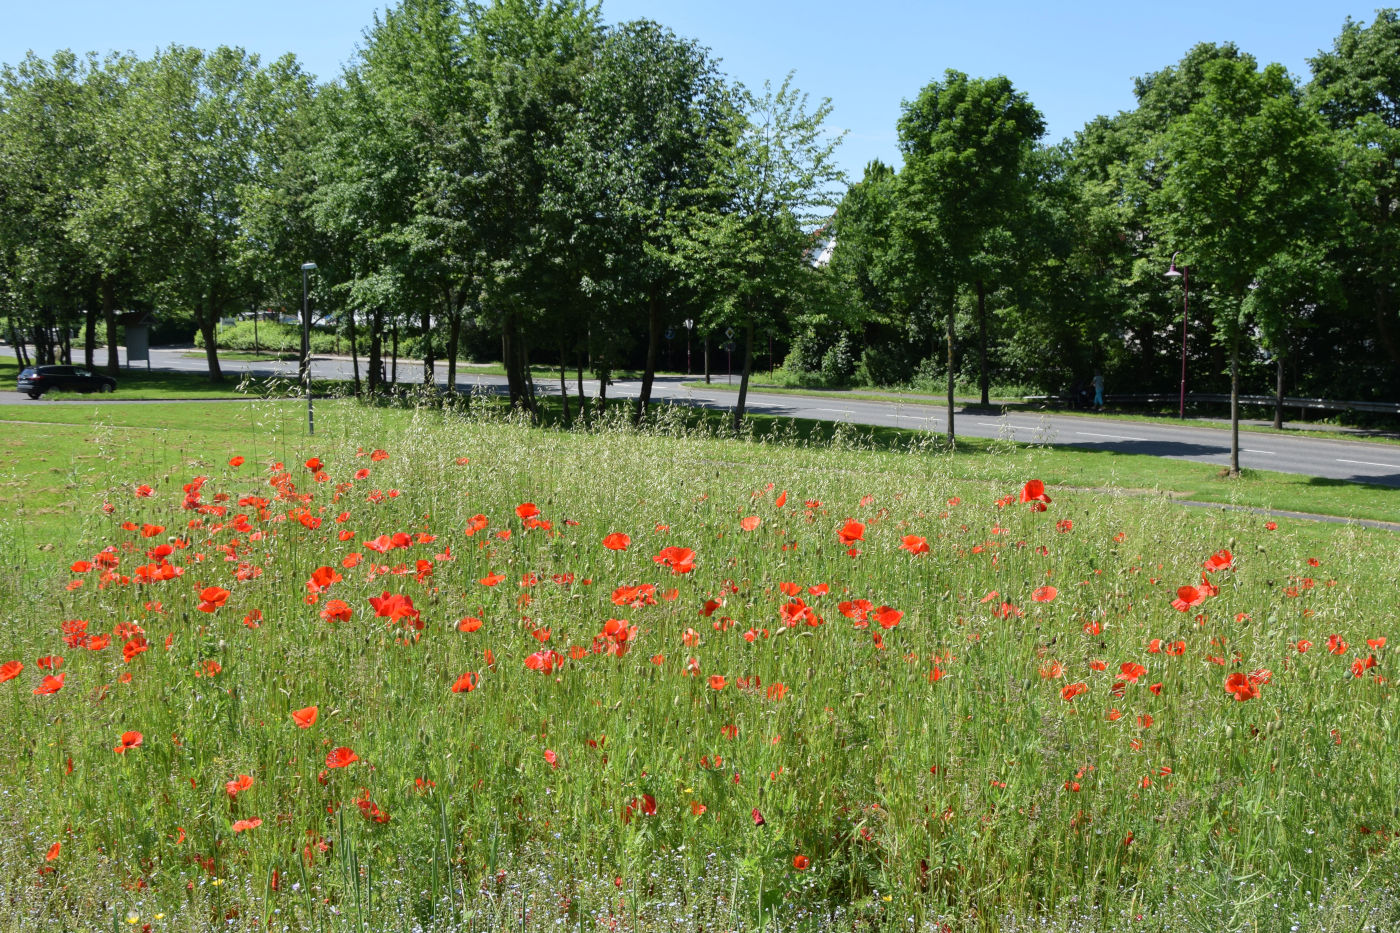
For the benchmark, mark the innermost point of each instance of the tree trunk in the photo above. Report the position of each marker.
(653, 346)
(207, 329)
(394, 358)
(65, 343)
(516, 358)
(354, 350)
(375, 377)
(109, 315)
(707, 359)
(982, 378)
(564, 383)
(949, 334)
(582, 401)
(1235, 403)
(89, 337)
(21, 348)
(454, 336)
(426, 325)
(1278, 398)
(744, 379)
(602, 372)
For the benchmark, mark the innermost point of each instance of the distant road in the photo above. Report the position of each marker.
(1347, 460)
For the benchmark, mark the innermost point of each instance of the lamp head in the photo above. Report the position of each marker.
(308, 267)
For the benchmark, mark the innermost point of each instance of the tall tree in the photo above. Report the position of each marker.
(650, 102)
(1248, 169)
(1356, 87)
(966, 142)
(778, 184)
(526, 59)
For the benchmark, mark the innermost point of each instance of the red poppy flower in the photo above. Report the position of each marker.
(887, 616)
(544, 661)
(212, 598)
(717, 682)
(394, 607)
(1070, 691)
(50, 684)
(10, 670)
(617, 541)
(679, 559)
(758, 819)
(552, 758)
(527, 510)
(129, 740)
(323, 577)
(851, 532)
(1220, 560)
(336, 610)
(914, 544)
(1239, 685)
(801, 862)
(242, 825)
(1034, 491)
(750, 523)
(238, 785)
(466, 683)
(491, 579)
(1131, 671)
(235, 461)
(781, 500)
(1187, 597)
(54, 849)
(341, 757)
(1045, 594)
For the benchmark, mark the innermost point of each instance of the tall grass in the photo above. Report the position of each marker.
(839, 773)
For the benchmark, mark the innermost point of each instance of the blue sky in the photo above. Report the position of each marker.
(1074, 59)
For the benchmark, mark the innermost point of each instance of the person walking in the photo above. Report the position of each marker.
(1098, 391)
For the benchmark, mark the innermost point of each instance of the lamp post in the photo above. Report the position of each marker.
(689, 325)
(1185, 276)
(307, 267)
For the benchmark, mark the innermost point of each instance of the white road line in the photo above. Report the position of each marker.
(1389, 466)
(839, 411)
(1271, 453)
(992, 424)
(1119, 437)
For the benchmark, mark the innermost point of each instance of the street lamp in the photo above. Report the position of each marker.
(306, 267)
(1185, 276)
(689, 325)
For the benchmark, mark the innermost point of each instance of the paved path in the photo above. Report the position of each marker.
(1326, 459)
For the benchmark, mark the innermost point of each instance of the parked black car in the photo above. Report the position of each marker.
(36, 380)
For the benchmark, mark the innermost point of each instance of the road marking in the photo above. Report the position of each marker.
(1389, 466)
(1119, 437)
(1271, 453)
(991, 424)
(839, 411)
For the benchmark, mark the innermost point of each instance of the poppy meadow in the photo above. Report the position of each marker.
(441, 673)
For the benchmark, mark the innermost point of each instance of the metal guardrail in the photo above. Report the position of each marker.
(1315, 404)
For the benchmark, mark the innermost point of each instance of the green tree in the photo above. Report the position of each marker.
(1248, 168)
(1356, 87)
(966, 142)
(640, 168)
(775, 187)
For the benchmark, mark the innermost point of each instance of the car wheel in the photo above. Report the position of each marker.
(106, 387)
(35, 394)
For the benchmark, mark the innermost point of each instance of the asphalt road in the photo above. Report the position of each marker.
(1338, 460)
